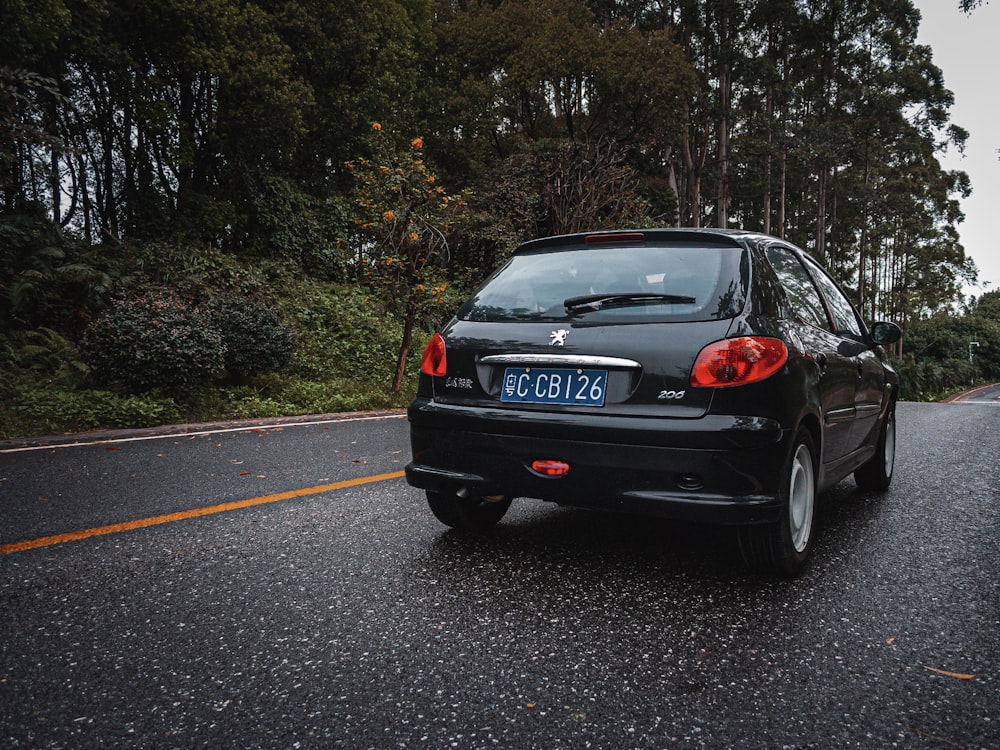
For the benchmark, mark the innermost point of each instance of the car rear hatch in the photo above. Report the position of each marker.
(606, 323)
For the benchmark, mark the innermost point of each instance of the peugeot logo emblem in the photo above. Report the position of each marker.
(558, 338)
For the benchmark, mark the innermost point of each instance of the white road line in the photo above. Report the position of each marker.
(197, 433)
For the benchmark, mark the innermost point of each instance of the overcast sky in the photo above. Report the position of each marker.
(967, 49)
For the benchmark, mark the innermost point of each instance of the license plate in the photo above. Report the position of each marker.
(544, 385)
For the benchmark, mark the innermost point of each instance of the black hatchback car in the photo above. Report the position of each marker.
(704, 375)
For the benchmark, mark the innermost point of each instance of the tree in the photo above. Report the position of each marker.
(546, 95)
(987, 306)
(404, 221)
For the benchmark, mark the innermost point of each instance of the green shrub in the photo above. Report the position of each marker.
(342, 334)
(193, 269)
(930, 379)
(154, 340)
(255, 338)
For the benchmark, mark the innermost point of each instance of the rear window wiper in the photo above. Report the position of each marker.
(597, 301)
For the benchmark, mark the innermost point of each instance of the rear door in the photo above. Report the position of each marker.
(870, 386)
(834, 356)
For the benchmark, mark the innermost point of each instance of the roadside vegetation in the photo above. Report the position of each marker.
(226, 209)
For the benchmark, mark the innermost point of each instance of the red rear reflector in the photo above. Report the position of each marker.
(592, 239)
(738, 361)
(549, 468)
(434, 362)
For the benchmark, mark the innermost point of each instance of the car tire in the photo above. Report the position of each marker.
(784, 547)
(876, 475)
(467, 512)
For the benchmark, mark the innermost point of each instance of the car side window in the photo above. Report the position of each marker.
(846, 321)
(799, 287)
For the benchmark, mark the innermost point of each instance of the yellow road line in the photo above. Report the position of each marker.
(47, 541)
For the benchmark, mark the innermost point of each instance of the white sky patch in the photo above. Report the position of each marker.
(967, 50)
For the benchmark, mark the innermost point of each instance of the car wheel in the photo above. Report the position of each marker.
(784, 547)
(877, 473)
(467, 512)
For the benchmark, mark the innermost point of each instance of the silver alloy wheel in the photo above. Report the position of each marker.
(889, 451)
(801, 498)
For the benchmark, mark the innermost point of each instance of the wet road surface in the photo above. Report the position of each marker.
(346, 616)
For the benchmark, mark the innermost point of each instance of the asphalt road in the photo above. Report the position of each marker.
(327, 608)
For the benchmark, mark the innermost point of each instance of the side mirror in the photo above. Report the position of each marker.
(885, 333)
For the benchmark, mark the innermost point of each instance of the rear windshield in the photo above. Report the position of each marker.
(615, 284)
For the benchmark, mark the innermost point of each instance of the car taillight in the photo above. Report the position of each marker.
(738, 361)
(434, 362)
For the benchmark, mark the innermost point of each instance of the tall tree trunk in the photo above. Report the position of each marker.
(831, 234)
(768, 159)
(772, 59)
(725, 95)
(821, 216)
(863, 243)
(782, 190)
(692, 177)
(672, 182)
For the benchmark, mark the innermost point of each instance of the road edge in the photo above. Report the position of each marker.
(233, 425)
(962, 395)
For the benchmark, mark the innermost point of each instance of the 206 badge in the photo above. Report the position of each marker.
(558, 338)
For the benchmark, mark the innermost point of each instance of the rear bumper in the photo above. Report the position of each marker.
(716, 469)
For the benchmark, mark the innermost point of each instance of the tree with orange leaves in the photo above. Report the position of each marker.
(404, 218)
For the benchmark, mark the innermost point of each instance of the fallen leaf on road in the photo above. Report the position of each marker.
(934, 737)
(111, 448)
(956, 675)
(891, 640)
(244, 473)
